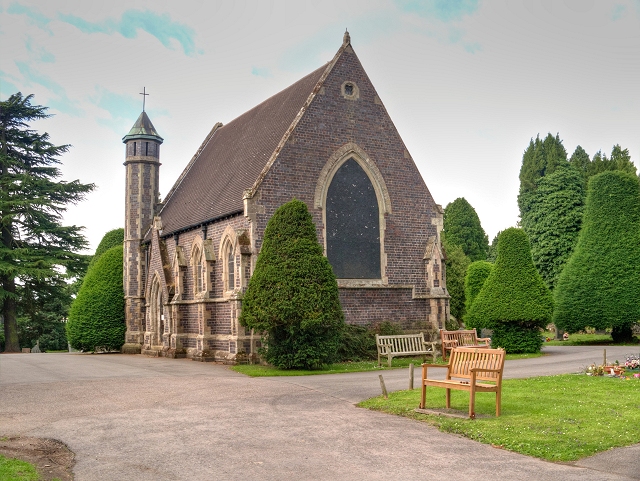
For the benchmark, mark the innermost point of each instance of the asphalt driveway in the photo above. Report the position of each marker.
(132, 417)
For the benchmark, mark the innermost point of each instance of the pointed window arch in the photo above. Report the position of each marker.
(354, 198)
(353, 224)
(229, 266)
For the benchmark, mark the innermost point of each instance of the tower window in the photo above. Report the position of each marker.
(348, 89)
(134, 148)
(146, 148)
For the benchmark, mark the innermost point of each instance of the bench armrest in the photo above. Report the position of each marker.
(451, 343)
(436, 365)
(482, 369)
(484, 339)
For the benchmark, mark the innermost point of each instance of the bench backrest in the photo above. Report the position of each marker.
(464, 358)
(401, 343)
(464, 338)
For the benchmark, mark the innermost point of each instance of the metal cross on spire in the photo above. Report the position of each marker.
(144, 96)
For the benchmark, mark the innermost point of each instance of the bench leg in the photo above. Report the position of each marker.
(390, 357)
(423, 396)
(498, 401)
(472, 403)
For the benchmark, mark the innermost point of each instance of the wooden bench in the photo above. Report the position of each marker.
(404, 345)
(467, 367)
(462, 338)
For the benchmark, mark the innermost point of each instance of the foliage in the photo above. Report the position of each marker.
(477, 274)
(557, 418)
(493, 249)
(514, 293)
(35, 245)
(462, 228)
(358, 343)
(456, 268)
(580, 162)
(292, 297)
(552, 220)
(541, 158)
(600, 287)
(42, 310)
(517, 338)
(96, 317)
(111, 239)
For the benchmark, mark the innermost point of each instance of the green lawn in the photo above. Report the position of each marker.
(255, 370)
(581, 340)
(16, 470)
(558, 418)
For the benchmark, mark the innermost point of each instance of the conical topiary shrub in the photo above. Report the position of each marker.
(477, 274)
(96, 317)
(514, 301)
(600, 285)
(292, 297)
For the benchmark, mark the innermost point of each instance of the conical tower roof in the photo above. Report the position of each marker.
(143, 129)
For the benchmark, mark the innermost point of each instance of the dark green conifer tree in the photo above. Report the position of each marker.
(600, 285)
(462, 228)
(292, 297)
(35, 245)
(553, 220)
(541, 158)
(580, 161)
(456, 268)
(514, 301)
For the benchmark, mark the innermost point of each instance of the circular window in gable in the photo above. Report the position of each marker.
(350, 90)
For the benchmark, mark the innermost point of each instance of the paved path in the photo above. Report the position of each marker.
(132, 417)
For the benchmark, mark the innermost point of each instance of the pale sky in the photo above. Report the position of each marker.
(467, 83)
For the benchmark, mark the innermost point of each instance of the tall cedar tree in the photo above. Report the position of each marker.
(600, 286)
(462, 228)
(553, 220)
(35, 244)
(96, 317)
(456, 268)
(514, 300)
(477, 274)
(292, 297)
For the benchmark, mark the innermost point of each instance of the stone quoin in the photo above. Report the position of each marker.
(326, 140)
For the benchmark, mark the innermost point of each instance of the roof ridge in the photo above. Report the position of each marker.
(249, 193)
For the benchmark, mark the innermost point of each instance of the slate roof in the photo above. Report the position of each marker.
(232, 158)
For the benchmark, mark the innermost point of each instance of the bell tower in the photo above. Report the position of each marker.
(142, 163)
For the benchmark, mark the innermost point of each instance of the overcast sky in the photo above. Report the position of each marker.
(467, 83)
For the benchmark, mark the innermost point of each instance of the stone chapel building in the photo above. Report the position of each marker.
(326, 140)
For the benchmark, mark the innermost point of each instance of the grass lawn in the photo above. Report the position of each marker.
(255, 370)
(582, 340)
(558, 418)
(16, 470)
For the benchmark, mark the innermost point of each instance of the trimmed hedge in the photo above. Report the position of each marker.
(96, 317)
(600, 285)
(514, 293)
(292, 297)
(477, 274)
(111, 239)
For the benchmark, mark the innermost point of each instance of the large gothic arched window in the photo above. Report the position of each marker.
(353, 224)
